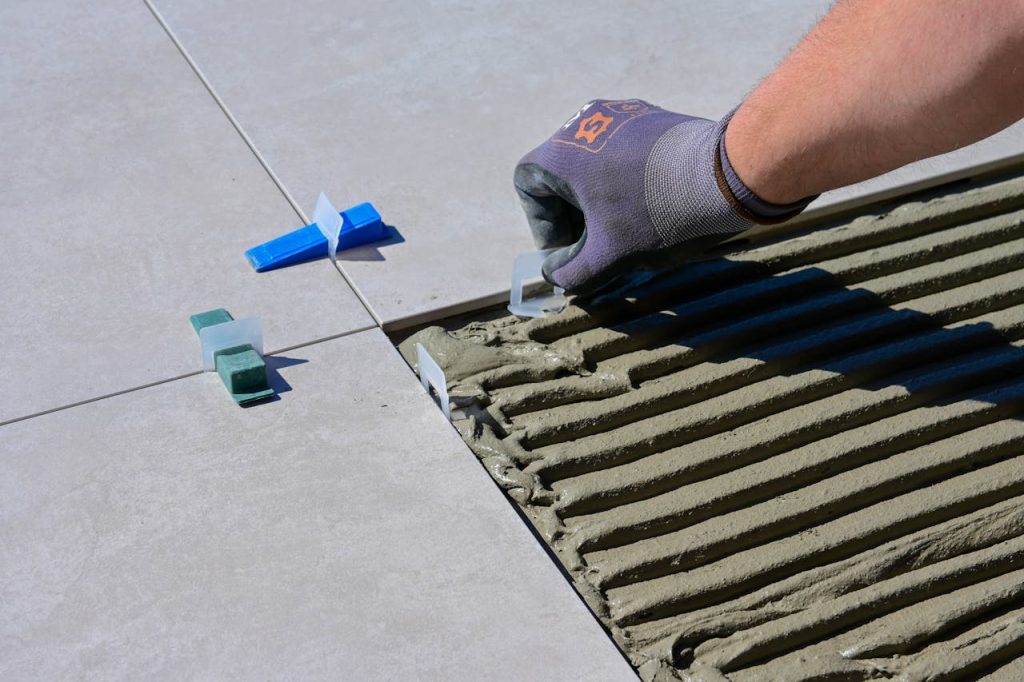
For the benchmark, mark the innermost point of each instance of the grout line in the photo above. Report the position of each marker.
(400, 324)
(101, 397)
(223, 107)
(377, 319)
(141, 387)
(350, 332)
(252, 147)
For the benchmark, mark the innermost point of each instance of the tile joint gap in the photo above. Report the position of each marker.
(251, 145)
(350, 332)
(101, 397)
(141, 387)
(223, 107)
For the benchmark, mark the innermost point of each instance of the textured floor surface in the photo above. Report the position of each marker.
(799, 460)
(166, 534)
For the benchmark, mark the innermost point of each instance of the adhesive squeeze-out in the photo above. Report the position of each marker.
(800, 460)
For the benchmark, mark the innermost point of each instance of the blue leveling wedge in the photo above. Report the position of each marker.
(360, 225)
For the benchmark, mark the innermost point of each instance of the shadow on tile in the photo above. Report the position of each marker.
(371, 252)
(274, 378)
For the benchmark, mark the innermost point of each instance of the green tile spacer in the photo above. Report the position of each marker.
(240, 367)
(244, 373)
(210, 318)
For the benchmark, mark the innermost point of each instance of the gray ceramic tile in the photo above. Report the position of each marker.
(128, 201)
(424, 108)
(343, 532)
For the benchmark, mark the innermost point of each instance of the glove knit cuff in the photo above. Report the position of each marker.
(743, 199)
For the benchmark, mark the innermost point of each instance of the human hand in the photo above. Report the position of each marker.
(625, 185)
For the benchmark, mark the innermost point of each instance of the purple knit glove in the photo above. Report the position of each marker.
(625, 185)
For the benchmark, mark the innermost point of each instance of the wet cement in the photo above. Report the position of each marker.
(799, 459)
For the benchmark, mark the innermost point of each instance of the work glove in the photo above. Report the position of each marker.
(626, 185)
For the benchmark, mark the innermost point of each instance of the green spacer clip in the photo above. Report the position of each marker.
(240, 366)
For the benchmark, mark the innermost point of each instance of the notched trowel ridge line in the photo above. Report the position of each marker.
(717, 454)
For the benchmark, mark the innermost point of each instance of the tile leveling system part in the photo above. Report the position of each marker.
(359, 225)
(233, 349)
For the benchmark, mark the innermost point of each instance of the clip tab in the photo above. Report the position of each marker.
(329, 221)
(526, 267)
(431, 374)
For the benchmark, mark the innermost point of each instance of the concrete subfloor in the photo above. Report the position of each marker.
(148, 527)
(798, 460)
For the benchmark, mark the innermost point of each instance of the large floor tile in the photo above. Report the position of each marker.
(128, 202)
(343, 532)
(424, 108)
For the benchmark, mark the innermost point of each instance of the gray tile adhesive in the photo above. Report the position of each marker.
(801, 460)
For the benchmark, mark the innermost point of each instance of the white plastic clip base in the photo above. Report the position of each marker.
(247, 330)
(329, 221)
(525, 268)
(431, 374)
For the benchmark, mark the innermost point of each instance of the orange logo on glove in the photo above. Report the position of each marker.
(593, 126)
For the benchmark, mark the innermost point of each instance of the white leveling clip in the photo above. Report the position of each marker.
(234, 350)
(431, 374)
(217, 337)
(329, 221)
(525, 270)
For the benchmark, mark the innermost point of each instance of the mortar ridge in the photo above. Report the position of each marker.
(800, 452)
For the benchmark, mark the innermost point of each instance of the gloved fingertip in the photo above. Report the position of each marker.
(553, 262)
(556, 271)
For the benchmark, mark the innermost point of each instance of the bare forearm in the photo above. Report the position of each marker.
(876, 85)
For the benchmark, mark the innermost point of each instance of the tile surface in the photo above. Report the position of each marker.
(424, 108)
(128, 202)
(341, 532)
